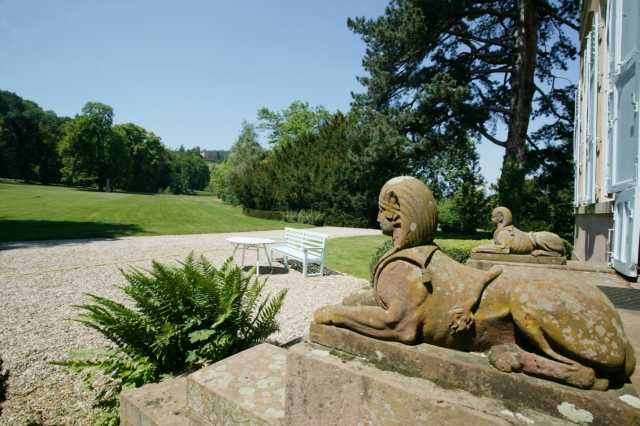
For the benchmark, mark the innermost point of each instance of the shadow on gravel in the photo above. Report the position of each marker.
(293, 264)
(4, 377)
(21, 233)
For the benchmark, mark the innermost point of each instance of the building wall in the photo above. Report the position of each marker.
(592, 219)
(591, 233)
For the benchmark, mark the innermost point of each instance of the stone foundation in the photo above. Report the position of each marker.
(328, 387)
(349, 379)
(472, 372)
(520, 258)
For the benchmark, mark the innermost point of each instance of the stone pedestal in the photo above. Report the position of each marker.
(520, 258)
(473, 373)
(349, 379)
(328, 387)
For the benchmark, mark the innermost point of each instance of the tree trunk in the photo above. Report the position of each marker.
(511, 184)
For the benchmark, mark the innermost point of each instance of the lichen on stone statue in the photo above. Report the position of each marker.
(540, 324)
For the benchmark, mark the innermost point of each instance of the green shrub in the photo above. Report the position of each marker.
(454, 217)
(182, 315)
(309, 217)
(458, 250)
(384, 247)
(569, 249)
(264, 214)
(318, 171)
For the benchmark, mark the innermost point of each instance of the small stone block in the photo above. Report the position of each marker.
(472, 371)
(155, 404)
(247, 388)
(520, 258)
(328, 387)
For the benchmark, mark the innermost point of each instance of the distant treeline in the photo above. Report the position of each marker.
(38, 146)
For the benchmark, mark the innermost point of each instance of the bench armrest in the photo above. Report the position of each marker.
(306, 249)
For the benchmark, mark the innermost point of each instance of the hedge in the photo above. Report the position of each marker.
(458, 250)
(264, 214)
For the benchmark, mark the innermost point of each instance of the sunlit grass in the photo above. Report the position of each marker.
(38, 212)
(351, 255)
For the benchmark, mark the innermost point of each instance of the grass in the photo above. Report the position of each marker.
(351, 255)
(38, 212)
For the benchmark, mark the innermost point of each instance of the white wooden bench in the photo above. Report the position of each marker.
(306, 246)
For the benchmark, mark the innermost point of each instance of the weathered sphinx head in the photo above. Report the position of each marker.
(501, 216)
(407, 212)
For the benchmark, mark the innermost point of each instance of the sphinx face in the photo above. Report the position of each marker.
(385, 219)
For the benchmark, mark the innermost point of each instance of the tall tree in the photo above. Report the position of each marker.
(551, 167)
(313, 173)
(146, 151)
(292, 122)
(22, 147)
(453, 175)
(194, 172)
(246, 150)
(444, 69)
(51, 132)
(92, 151)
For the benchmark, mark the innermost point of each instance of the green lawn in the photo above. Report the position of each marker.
(351, 255)
(37, 212)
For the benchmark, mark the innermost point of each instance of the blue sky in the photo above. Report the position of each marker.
(191, 70)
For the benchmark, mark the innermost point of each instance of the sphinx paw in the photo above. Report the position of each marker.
(585, 378)
(323, 315)
(506, 358)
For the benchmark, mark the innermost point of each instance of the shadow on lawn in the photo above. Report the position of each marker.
(20, 233)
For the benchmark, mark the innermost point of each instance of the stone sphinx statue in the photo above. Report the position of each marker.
(553, 328)
(508, 239)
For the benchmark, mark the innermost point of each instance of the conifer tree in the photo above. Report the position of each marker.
(441, 70)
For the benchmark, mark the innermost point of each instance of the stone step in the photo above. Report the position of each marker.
(246, 388)
(155, 404)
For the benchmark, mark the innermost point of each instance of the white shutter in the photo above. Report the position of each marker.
(622, 158)
(591, 103)
(623, 134)
(584, 114)
(576, 147)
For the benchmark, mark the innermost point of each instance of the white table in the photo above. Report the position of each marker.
(251, 243)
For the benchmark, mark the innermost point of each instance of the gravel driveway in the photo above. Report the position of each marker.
(40, 281)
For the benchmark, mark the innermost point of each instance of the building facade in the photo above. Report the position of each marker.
(607, 135)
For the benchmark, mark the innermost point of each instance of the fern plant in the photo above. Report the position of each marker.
(120, 369)
(186, 314)
(182, 315)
